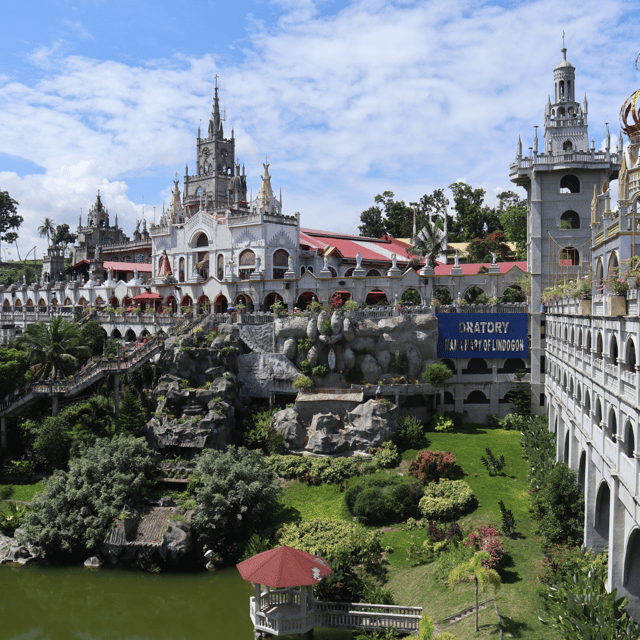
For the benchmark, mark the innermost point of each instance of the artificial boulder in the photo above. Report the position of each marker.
(370, 424)
(371, 370)
(287, 423)
(289, 349)
(325, 434)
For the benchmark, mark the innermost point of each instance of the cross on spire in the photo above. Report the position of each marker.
(563, 46)
(216, 76)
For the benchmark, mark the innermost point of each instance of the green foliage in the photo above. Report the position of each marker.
(325, 328)
(6, 491)
(321, 370)
(436, 374)
(559, 507)
(303, 382)
(378, 499)
(94, 337)
(480, 249)
(430, 466)
(400, 362)
(12, 518)
(567, 559)
(227, 352)
(348, 541)
(259, 432)
(519, 395)
(53, 349)
(132, 418)
(330, 470)
(580, 608)
(20, 469)
(492, 464)
(427, 628)
(58, 438)
(446, 500)
(304, 344)
(14, 365)
(10, 221)
(386, 456)
(443, 295)
(453, 556)
(539, 448)
(76, 508)
(305, 367)
(508, 521)
(236, 491)
(473, 218)
(411, 433)
(512, 211)
(442, 423)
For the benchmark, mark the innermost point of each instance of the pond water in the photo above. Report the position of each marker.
(44, 603)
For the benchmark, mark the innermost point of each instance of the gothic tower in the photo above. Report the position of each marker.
(215, 164)
(560, 184)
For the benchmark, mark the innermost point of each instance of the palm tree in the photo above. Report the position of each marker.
(473, 569)
(47, 229)
(53, 349)
(429, 242)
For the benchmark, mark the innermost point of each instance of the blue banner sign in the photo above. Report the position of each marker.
(483, 335)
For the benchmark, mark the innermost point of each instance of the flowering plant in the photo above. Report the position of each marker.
(616, 283)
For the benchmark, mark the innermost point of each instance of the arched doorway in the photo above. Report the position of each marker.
(247, 264)
(186, 303)
(376, 296)
(172, 303)
(130, 335)
(603, 507)
(220, 304)
(411, 297)
(204, 304)
(271, 299)
(246, 300)
(280, 264)
(443, 295)
(339, 298)
(475, 295)
(632, 565)
(305, 299)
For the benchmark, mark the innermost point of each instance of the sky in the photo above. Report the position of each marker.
(347, 98)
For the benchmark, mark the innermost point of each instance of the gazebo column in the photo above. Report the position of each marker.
(257, 587)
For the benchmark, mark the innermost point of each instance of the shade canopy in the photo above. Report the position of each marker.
(148, 296)
(284, 567)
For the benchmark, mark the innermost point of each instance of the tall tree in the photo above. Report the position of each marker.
(10, 221)
(429, 242)
(53, 349)
(372, 223)
(47, 229)
(481, 249)
(512, 211)
(474, 570)
(387, 217)
(473, 218)
(434, 207)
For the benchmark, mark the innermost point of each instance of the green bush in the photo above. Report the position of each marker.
(442, 423)
(493, 420)
(236, 492)
(430, 466)
(411, 433)
(539, 446)
(436, 374)
(325, 328)
(227, 352)
(321, 370)
(76, 508)
(304, 344)
(386, 456)
(305, 367)
(446, 500)
(379, 498)
(400, 362)
(303, 382)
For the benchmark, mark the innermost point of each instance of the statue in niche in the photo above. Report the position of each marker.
(290, 263)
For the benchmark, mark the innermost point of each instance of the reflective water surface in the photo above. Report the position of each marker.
(43, 603)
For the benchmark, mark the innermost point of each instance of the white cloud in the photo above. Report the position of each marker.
(76, 27)
(381, 96)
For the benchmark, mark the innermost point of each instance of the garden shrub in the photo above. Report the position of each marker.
(379, 498)
(539, 446)
(411, 433)
(487, 538)
(430, 466)
(324, 469)
(515, 422)
(325, 328)
(302, 382)
(450, 559)
(226, 352)
(321, 370)
(442, 423)
(386, 456)
(305, 367)
(568, 559)
(436, 374)
(446, 500)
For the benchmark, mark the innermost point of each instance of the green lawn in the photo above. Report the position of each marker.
(518, 603)
(23, 492)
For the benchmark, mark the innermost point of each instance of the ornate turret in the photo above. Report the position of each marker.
(98, 214)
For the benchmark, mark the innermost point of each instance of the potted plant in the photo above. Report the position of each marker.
(615, 284)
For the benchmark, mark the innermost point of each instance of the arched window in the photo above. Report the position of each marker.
(220, 266)
(349, 272)
(181, 270)
(376, 296)
(613, 350)
(476, 397)
(599, 345)
(570, 184)
(475, 295)
(629, 440)
(630, 357)
(477, 366)
(567, 146)
(587, 402)
(247, 264)
(511, 365)
(569, 220)
(449, 364)
(334, 273)
(373, 272)
(280, 264)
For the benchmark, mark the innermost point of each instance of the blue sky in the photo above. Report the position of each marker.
(348, 99)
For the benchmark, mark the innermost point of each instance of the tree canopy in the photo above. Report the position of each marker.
(76, 508)
(10, 221)
(512, 211)
(473, 218)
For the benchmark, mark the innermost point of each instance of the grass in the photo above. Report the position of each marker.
(23, 492)
(517, 600)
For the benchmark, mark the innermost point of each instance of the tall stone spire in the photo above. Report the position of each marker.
(215, 124)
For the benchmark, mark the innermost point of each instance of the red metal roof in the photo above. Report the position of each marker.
(472, 269)
(148, 296)
(284, 567)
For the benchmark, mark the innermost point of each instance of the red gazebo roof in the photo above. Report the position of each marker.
(147, 296)
(284, 567)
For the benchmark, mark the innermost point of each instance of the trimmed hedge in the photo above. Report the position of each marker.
(381, 498)
(317, 470)
(446, 500)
